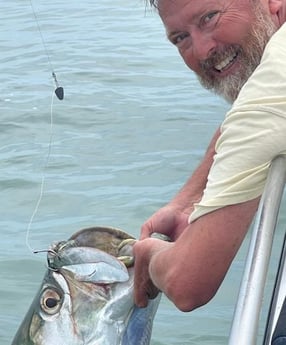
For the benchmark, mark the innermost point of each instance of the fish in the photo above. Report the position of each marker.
(86, 296)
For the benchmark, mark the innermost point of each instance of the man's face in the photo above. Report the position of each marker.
(222, 41)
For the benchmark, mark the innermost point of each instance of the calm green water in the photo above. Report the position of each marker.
(133, 125)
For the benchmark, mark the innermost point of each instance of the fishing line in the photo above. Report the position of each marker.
(43, 180)
(59, 91)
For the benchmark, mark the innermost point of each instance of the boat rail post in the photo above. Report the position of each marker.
(278, 298)
(245, 322)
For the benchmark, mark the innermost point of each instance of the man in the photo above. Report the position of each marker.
(223, 42)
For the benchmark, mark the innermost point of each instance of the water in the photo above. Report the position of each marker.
(133, 125)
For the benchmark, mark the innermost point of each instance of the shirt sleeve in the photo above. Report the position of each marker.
(252, 134)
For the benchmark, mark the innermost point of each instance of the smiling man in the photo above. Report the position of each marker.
(221, 41)
(237, 49)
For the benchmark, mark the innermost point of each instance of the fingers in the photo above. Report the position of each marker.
(144, 252)
(163, 221)
(146, 230)
(153, 291)
(146, 292)
(141, 277)
(144, 289)
(160, 236)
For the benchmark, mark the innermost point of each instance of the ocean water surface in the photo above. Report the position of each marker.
(133, 125)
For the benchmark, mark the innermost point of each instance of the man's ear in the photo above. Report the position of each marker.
(274, 6)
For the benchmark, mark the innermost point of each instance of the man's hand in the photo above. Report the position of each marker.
(168, 220)
(143, 251)
(190, 270)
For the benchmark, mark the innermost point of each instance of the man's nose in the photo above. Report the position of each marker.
(203, 45)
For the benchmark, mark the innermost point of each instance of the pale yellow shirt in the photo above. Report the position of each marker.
(253, 133)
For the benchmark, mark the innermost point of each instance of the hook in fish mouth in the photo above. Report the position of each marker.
(88, 288)
(54, 253)
(45, 251)
(50, 257)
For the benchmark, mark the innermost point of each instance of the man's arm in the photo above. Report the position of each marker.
(172, 219)
(190, 270)
(193, 189)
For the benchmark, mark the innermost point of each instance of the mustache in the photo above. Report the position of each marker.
(217, 56)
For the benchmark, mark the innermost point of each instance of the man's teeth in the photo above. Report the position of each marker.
(225, 63)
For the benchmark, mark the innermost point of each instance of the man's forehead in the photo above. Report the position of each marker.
(170, 7)
(197, 7)
(159, 3)
(163, 4)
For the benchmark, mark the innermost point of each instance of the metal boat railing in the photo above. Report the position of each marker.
(275, 330)
(245, 323)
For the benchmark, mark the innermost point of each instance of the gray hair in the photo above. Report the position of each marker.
(152, 3)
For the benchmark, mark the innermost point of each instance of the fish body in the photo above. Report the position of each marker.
(86, 296)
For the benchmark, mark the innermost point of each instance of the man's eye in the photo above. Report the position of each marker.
(178, 39)
(209, 17)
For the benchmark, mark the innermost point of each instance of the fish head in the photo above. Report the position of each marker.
(86, 297)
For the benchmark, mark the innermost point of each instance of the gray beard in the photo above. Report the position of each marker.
(230, 86)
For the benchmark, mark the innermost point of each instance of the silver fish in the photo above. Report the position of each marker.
(86, 297)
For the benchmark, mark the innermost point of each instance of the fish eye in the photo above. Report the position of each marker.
(51, 301)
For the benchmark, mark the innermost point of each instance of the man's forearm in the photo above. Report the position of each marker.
(198, 261)
(192, 191)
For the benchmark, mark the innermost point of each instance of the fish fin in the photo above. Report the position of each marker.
(139, 327)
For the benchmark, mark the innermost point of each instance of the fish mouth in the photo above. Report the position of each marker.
(86, 296)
